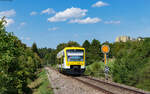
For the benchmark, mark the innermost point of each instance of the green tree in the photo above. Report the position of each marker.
(34, 48)
(60, 47)
(69, 44)
(50, 58)
(95, 52)
(72, 44)
(87, 45)
(44, 51)
(17, 63)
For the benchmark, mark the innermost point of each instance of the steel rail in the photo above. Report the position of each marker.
(94, 86)
(118, 86)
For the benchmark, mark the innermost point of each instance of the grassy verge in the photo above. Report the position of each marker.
(97, 68)
(41, 85)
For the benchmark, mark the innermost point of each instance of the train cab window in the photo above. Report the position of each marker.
(75, 58)
(75, 55)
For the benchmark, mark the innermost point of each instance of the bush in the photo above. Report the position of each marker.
(97, 68)
(17, 63)
(132, 64)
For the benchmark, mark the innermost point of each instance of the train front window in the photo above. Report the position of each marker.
(75, 58)
(75, 55)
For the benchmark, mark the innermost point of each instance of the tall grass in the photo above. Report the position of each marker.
(41, 85)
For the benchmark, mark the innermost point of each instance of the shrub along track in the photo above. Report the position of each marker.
(107, 87)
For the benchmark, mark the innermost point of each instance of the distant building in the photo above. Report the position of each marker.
(140, 38)
(127, 38)
(122, 39)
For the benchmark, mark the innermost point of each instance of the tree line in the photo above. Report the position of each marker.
(93, 52)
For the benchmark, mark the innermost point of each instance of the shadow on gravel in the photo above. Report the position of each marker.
(74, 75)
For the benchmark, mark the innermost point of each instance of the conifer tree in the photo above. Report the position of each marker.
(95, 51)
(34, 48)
(86, 45)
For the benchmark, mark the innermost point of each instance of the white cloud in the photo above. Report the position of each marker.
(100, 4)
(53, 29)
(33, 13)
(8, 13)
(9, 21)
(87, 20)
(48, 11)
(67, 14)
(112, 22)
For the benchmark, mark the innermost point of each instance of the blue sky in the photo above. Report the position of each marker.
(50, 22)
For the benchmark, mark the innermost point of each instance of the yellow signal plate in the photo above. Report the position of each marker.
(105, 48)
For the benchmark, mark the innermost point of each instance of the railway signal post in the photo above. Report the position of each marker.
(105, 49)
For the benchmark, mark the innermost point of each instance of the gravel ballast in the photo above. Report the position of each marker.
(63, 84)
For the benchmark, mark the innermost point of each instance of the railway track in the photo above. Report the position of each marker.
(107, 87)
(94, 86)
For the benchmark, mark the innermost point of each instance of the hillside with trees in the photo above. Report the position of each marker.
(132, 65)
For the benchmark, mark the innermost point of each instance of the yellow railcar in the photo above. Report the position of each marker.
(71, 60)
